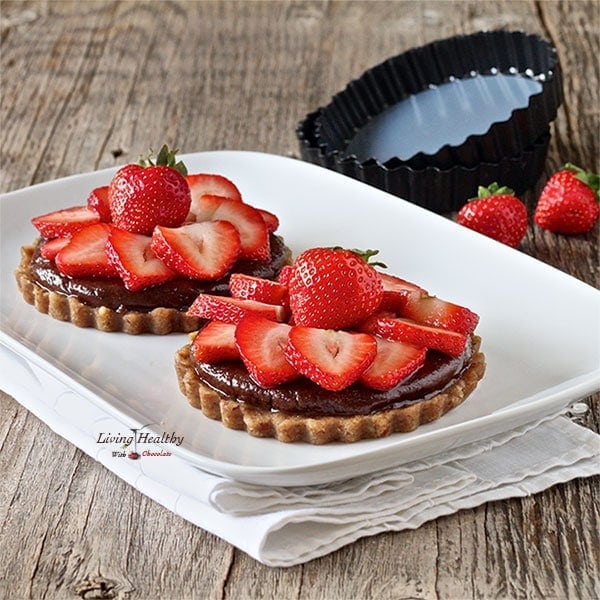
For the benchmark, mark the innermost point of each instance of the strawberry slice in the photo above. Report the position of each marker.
(207, 184)
(51, 248)
(395, 290)
(215, 343)
(285, 274)
(65, 222)
(411, 332)
(245, 218)
(394, 362)
(256, 288)
(332, 359)
(98, 201)
(271, 220)
(261, 343)
(432, 311)
(134, 260)
(232, 310)
(199, 250)
(85, 255)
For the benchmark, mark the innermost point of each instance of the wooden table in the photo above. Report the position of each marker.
(92, 84)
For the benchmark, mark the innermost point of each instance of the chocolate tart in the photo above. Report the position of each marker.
(106, 304)
(228, 397)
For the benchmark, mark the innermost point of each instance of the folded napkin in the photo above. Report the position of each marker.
(286, 526)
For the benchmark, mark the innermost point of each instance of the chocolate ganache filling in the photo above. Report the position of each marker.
(302, 396)
(177, 293)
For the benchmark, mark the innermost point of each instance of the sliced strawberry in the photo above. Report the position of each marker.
(261, 343)
(332, 359)
(135, 261)
(245, 218)
(411, 332)
(432, 311)
(271, 220)
(215, 343)
(85, 255)
(256, 288)
(64, 223)
(207, 184)
(394, 362)
(98, 201)
(199, 250)
(231, 310)
(51, 248)
(285, 274)
(395, 290)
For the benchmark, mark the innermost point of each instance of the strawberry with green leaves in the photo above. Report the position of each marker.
(496, 213)
(568, 203)
(142, 196)
(333, 288)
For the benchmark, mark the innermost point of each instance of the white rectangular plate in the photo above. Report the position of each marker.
(539, 326)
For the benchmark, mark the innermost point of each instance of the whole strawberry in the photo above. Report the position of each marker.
(497, 213)
(333, 288)
(144, 195)
(569, 201)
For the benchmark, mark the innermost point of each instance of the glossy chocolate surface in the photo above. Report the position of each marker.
(305, 397)
(177, 293)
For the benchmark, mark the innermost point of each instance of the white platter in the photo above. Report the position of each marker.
(540, 327)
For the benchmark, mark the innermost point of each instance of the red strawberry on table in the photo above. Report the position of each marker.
(134, 260)
(569, 201)
(261, 343)
(332, 359)
(65, 222)
(333, 288)
(150, 193)
(496, 213)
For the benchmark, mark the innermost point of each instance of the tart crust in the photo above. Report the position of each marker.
(159, 321)
(68, 308)
(287, 427)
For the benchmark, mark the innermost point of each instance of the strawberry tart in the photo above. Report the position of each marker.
(135, 257)
(334, 350)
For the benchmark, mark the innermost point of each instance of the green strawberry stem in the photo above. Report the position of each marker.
(494, 190)
(366, 255)
(164, 158)
(592, 180)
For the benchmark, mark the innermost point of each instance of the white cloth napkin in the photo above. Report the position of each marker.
(287, 526)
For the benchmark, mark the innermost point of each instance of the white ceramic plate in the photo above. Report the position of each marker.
(539, 326)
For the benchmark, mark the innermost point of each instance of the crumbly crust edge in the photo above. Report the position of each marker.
(159, 321)
(287, 427)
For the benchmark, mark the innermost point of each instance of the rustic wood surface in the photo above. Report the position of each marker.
(91, 84)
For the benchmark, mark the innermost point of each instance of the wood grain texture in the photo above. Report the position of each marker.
(92, 84)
